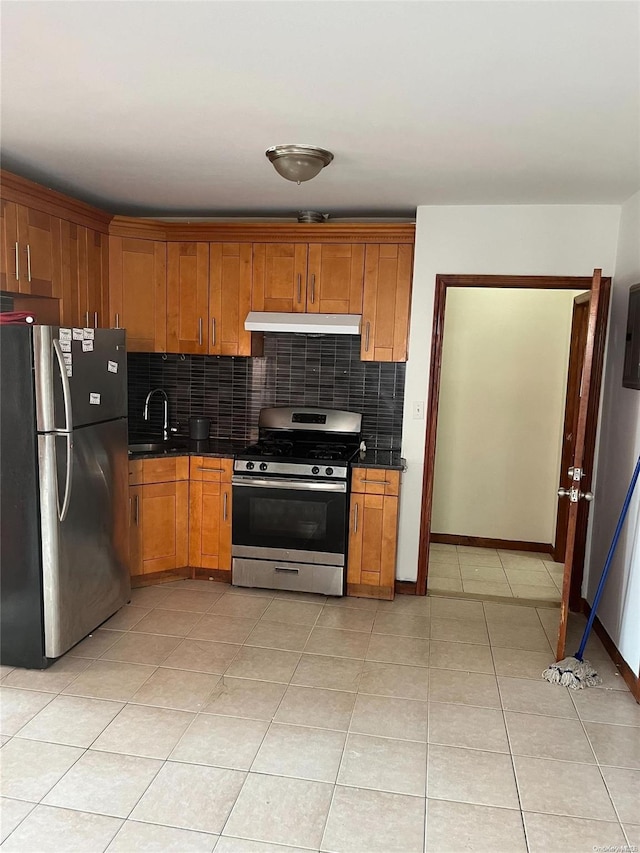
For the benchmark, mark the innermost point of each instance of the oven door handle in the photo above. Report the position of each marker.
(300, 485)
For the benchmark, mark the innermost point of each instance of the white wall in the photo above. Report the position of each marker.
(500, 418)
(618, 449)
(504, 239)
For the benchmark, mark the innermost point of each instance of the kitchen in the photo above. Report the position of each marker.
(214, 703)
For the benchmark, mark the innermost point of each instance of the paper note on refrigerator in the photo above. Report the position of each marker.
(65, 346)
(89, 334)
(78, 334)
(87, 346)
(65, 334)
(112, 366)
(94, 399)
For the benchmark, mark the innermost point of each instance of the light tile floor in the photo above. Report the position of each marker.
(203, 717)
(485, 571)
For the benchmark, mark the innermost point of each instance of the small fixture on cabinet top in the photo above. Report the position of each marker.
(298, 162)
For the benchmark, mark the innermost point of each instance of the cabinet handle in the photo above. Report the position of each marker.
(287, 570)
(95, 319)
(28, 262)
(299, 287)
(200, 331)
(117, 320)
(201, 468)
(366, 336)
(376, 482)
(313, 288)
(225, 498)
(17, 262)
(355, 518)
(213, 331)
(86, 319)
(136, 513)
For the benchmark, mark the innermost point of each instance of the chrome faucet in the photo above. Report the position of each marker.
(165, 426)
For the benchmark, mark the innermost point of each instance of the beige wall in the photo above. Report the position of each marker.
(504, 372)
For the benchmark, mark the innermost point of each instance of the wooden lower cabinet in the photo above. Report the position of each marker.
(373, 533)
(210, 513)
(159, 515)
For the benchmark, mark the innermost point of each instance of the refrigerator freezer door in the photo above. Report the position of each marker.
(84, 555)
(94, 369)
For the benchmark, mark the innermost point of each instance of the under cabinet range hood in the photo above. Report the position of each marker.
(312, 324)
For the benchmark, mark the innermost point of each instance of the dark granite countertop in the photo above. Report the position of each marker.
(213, 447)
(225, 447)
(373, 458)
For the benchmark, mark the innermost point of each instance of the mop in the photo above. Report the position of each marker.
(576, 672)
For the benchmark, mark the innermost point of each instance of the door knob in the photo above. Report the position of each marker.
(564, 493)
(588, 496)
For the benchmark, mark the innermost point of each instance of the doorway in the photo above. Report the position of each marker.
(595, 318)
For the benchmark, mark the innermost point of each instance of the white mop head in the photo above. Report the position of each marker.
(571, 672)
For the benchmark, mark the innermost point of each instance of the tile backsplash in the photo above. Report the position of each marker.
(296, 370)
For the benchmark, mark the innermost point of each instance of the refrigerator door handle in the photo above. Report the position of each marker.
(66, 387)
(62, 512)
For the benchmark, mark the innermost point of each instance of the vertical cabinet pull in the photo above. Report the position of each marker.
(117, 320)
(313, 288)
(299, 287)
(28, 262)
(200, 331)
(355, 518)
(367, 335)
(86, 319)
(136, 510)
(17, 262)
(213, 331)
(225, 498)
(95, 319)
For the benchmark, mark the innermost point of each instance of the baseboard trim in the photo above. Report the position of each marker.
(632, 680)
(484, 542)
(220, 575)
(160, 577)
(406, 587)
(363, 590)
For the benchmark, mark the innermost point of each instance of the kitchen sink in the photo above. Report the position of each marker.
(156, 447)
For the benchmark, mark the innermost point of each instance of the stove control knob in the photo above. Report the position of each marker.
(263, 466)
(315, 470)
(249, 466)
(329, 472)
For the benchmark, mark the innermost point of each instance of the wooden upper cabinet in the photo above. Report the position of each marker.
(9, 247)
(386, 302)
(229, 298)
(279, 277)
(84, 289)
(335, 278)
(187, 297)
(138, 292)
(31, 257)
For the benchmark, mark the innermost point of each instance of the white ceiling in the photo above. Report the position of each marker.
(168, 107)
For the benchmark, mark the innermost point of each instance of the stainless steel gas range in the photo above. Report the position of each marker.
(290, 500)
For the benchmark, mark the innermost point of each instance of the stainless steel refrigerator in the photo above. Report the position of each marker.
(63, 488)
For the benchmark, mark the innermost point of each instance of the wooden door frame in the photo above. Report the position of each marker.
(443, 282)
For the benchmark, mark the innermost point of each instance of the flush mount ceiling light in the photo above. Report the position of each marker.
(298, 162)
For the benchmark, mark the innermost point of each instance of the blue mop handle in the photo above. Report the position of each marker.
(608, 561)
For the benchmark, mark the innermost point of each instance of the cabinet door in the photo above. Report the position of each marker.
(210, 525)
(165, 526)
(373, 535)
(138, 292)
(9, 249)
(187, 297)
(39, 252)
(96, 290)
(386, 302)
(335, 278)
(229, 298)
(279, 277)
(135, 530)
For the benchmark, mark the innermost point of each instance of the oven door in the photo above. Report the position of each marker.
(294, 520)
